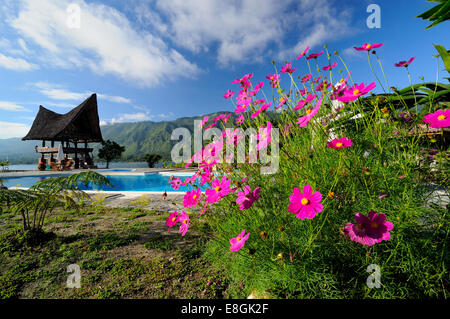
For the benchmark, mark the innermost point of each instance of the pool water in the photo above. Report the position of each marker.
(145, 183)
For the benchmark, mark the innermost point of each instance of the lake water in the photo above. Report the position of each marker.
(100, 165)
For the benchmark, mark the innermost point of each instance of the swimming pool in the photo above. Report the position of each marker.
(153, 182)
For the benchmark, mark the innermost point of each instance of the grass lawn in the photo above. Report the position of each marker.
(121, 252)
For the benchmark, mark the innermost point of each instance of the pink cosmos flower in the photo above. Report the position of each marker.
(305, 204)
(324, 85)
(184, 220)
(316, 80)
(314, 55)
(219, 117)
(247, 197)
(240, 119)
(303, 53)
(306, 78)
(175, 183)
(220, 188)
(238, 242)
(211, 151)
(229, 94)
(301, 103)
(192, 198)
(339, 89)
(340, 143)
(172, 220)
(207, 165)
(274, 79)
(355, 92)
(244, 79)
(287, 68)
(211, 126)
(190, 180)
(404, 63)
(304, 120)
(264, 136)
(329, 67)
(232, 137)
(303, 91)
(261, 109)
(225, 120)
(283, 101)
(368, 46)
(438, 119)
(369, 230)
(204, 121)
(241, 108)
(256, 90)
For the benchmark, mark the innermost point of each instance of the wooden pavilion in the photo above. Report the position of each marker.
(79, 126)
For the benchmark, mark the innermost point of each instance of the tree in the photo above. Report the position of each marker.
(109, 151)
(152, 159)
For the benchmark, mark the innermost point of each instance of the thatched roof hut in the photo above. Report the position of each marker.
(79, 125)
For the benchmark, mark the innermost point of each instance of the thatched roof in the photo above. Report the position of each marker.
(79, 125)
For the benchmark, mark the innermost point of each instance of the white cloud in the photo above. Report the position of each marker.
(10, 129)
(106, 43)
(17, 64)
(116, 99)
(58, 92)
(241, 29)
(165, 116)
(246, 30)
(132, 117)
(352, 53)
(12, 106)
(317, 22)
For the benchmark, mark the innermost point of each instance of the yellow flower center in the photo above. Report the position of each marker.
(195, 196)
(441, 117)
(368, 46)
(264, 136)
(305, 201)
(217, 188)
(359, 226)
(185, 221)
(375, 225)
(173, 219)
(339, 144)
(342, 80)
(355, 92)
(238, 238)
(308, 111)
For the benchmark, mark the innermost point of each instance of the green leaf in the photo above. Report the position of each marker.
(445, 56)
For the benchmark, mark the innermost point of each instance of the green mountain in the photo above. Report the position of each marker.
(139, 138)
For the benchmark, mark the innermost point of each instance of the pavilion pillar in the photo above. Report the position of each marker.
(51, 154)
(42, 154)
(77, 161)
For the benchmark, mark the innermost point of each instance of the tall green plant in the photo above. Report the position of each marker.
(35, 203)
(438, 14)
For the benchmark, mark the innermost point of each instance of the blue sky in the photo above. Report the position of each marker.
(163, 59)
